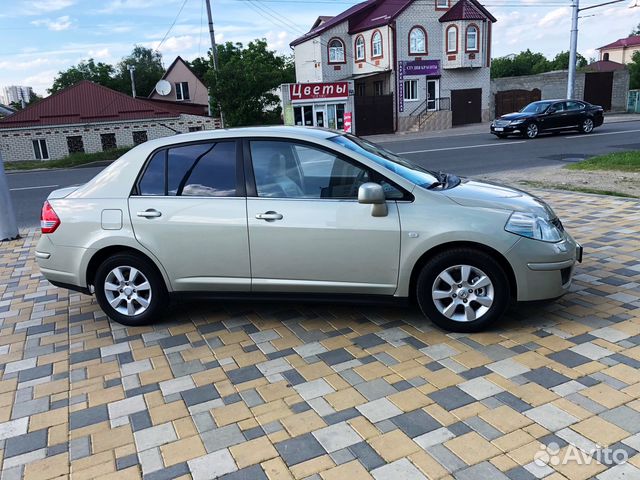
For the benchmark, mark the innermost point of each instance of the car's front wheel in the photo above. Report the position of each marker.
(130, 290)
(463, 290)
(587, 125)
(532, 130)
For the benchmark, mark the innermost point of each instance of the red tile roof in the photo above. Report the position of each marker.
(380, 14)
(467, 10)
(604, 66)
(631, 41)
(88, 102)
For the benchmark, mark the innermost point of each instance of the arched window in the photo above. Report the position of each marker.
(605, 57)
(472, 38)
(452, 39)
(417, 41)
(360, 48)
(376, 44)
(336, 51)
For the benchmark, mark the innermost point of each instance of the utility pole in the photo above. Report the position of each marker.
(214, 51)
(573, 47)
(132, 69)
(8, 225)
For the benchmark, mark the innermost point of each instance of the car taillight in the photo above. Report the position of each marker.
(49, 220)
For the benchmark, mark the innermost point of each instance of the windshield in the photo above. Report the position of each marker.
(389, 160)
(536, 107)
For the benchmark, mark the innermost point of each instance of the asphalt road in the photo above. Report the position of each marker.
(464, 154)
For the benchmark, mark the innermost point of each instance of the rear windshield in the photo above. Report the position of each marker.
(389, 160)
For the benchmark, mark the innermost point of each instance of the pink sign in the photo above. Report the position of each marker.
(347, 122)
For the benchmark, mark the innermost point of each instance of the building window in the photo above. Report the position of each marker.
(452, 39)
(195, 129)
(360, 49)
(442, 4)
(139, 137)
(40, 149)
(360, 89)
(605, 57)
(108, 141)
(182, 91)
(376, 44)
(417, 41)
(472, 38)
(411, 90)
(75, 144)
(378, 88)
(336, 51)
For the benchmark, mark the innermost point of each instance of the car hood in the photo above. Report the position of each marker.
(472, 193)
(515, 116)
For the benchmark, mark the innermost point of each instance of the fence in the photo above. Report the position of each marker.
(633, 105)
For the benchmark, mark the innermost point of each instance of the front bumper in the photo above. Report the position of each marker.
(544, 270)
(507, 129)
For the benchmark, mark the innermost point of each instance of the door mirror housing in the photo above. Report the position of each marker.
(373, 194)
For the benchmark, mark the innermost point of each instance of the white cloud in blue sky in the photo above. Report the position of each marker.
(41, 37)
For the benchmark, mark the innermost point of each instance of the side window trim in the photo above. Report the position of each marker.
(252, 190)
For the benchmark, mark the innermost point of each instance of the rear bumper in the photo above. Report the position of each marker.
(60, 265)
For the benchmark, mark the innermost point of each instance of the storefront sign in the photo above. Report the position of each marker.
(347, 122)
(422, 67)
(401, 65)
(313, 91)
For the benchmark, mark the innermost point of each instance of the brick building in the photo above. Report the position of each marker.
(408, 65)
(91, 118)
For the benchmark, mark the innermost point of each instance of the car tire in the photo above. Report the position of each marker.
(587, 125)
(130, 290)
(444, 274)
(532, 130)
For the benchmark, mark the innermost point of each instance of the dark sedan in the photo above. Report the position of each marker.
(549, 116)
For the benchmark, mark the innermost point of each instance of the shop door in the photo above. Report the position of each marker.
(433, 87)
(320, 117)
(466, 106)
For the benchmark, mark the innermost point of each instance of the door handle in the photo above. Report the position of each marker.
(269, 216)
(150, 213)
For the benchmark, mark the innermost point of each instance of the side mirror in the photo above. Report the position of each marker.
(373, 194)
(551, 110)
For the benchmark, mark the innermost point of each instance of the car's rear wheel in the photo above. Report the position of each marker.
(463, 290)
(532, 130)
(130, 290)
(587, 125)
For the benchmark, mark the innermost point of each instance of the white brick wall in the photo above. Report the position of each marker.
(16, 144)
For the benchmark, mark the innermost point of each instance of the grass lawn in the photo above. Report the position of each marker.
(621, 161)
(74, 160)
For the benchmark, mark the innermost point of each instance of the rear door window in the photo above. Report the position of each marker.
(152, 182)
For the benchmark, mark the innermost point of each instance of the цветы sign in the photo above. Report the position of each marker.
(313, 91)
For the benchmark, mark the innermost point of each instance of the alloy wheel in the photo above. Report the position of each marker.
(587, 125)
(463, 293)
(127, 290)
(532, 130)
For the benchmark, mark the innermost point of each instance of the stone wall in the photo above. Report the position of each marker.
(16, 144)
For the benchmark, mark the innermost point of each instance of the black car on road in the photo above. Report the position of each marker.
(549, 116)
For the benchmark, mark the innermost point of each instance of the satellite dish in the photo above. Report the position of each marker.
(163, 88)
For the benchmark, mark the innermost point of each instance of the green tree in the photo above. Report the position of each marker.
(201, 65)
(149, 70)
(634, 71)
(561, 61)
(244, 84)
(100, 73)
(635, 31)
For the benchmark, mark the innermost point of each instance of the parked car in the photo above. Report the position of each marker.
(549, 116)
(299, 211)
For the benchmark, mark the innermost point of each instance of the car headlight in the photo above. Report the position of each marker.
(532, 226)
(517, 122)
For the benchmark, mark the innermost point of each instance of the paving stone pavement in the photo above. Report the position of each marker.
(281, 390)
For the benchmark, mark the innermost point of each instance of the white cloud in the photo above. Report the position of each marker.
(36, 7)
(56, 25)
(278, 40)
(100, 54)
(120, 5)
(551, 19)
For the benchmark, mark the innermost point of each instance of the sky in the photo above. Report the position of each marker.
(42, 37)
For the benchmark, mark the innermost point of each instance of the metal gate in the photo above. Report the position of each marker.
(374, 114)
(598, 87)
(509, 101)
(466, 106)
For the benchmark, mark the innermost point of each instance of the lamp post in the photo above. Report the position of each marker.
(8, 225)
(132, 69)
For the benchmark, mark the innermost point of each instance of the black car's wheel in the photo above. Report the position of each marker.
(587, 125)
(532, 130)
(130, 290)
(462, 290)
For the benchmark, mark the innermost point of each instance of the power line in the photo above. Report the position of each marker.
(172, 25)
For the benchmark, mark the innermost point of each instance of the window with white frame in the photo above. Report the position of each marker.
(442, 3)
(360, 48)
(182, 91)
(417, 40)
(411, 90)
(472, 38)
(452, 39)
(40, 150)
(376, 44)
(336, 51)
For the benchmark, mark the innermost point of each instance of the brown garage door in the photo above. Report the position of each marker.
(374, 114)
(598, 87)
(508, 101)
(466, 106)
